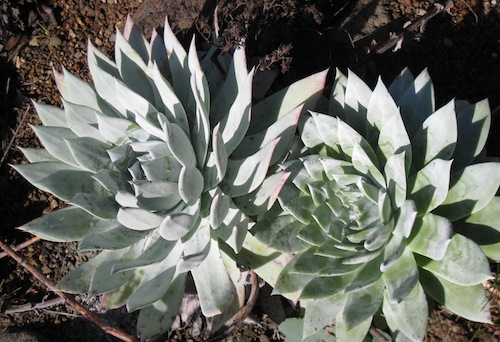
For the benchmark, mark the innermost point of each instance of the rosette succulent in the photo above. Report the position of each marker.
(151, 158)
(389, 203)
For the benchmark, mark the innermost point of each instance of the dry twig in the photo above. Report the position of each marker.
(21, 246)
(97, 321)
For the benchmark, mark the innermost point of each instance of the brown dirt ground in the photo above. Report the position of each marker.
(296, 38)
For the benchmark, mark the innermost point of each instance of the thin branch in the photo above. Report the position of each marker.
(21, 246)
(11, 142)
(375, 333)
(31, 307)
(97, 321)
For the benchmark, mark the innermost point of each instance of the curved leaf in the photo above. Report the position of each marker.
(431, 236)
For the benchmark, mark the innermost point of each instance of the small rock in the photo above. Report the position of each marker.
(98, 42)
(55, 41)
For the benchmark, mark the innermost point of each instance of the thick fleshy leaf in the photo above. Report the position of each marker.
(470, 190)
(138, 219)
(473, 127)
(118, 297)
(177, 225)
(321, 312)
(158, 317)
(362, 305)
(51, 115)
(355, 333)
(102, 279)
(179, 144)
(400, 277)
(210, 277)
(90, 153)
(196, 247)
(154, 284)
(469, 302)
(406, 219)
(431, 236)
(357, 98)
(36, 155)
(381, 107)
(401, 83)
(245, 175)
(116, 238)
(394, 139)
(428, 188)
(53, 138)
(395, 175)
(218, 209)
(483, 227)
(68, 224)
(191, 184)
(432, 141)
(78, 280)
(410, 315)
(417, 103)
(282, 102)
(82, 120)
(293, 329)
(463, 264)
(75, 90)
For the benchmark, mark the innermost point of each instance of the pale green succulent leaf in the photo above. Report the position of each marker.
(291, 284)
(89, 153)
(50, 115)
(53, 138)
(154, 284)
(177, 59)
(284, 129)
(409, 315)
(36, 172)
(133, 101)
(200, 131)
(179, 144)
(115, 130)
(82, 121)
(395, 175)
(473, 127)
(132, 67)
(293, 328)
(104, 73)
(37, 155)
(177, 225)
(263, 198)
(357, 98)
(136, 39)
(381, 107)
(218, 209)
(321, 312)
(474, 308)
(394, 139)
(102, 278)
(384, 206)
(354, 333)
(432, 141)
(273, 107)
(210, 277)
(165, 168)
(364, 164)
(75, 90)
(245, 175)
(68, 224)
(466, 196)
(417, 103)
(118, 297)
(309, 131)
(400, 277)
(431, 235)
(235, 78)
(483, 227)
(325, 129)
(234, 227)
(463, 263)
(191, 184)
(100, 205)
(362, 305)
(196, 247)
(428, 188)
(157, 318)
(155, 250)
(156, 195)
(174, 109)
(336, 103)
(138, 219)
(234, 125)
(401, 84)
(78, 280)
(116, 238)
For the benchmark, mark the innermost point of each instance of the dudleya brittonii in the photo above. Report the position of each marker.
(150, 157)
(388, 203)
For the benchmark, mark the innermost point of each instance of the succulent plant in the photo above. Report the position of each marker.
(151, 158)
(390, 202)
